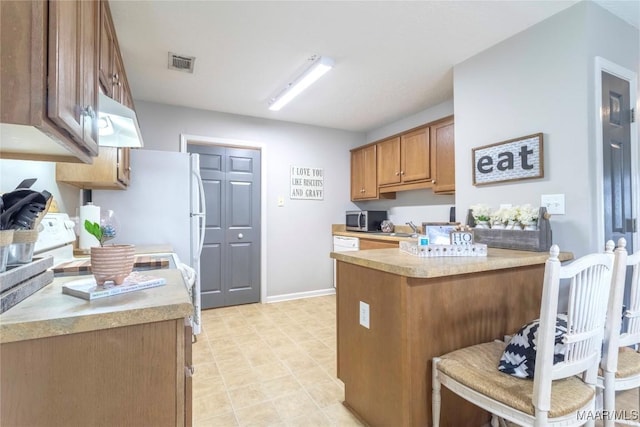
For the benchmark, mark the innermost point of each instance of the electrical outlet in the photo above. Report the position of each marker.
(553, 202)
(280, 201)
(364, 314)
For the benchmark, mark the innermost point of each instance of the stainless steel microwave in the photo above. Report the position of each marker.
(364, 220)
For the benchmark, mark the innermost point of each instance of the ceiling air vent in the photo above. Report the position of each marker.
(181, 62)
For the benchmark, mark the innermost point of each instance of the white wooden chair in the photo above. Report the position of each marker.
(620, 364)
(557, 395)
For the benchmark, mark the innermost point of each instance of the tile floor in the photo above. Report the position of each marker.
(275, 365)
(269, 365)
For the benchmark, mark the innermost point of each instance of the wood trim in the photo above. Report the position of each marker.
(180, 373)
(404, 187)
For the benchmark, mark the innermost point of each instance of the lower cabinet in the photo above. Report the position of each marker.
(134, 375)
(110, 170)
(377, 244)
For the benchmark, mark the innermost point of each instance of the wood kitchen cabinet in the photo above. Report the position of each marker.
(135, 375)
(124, 360)
(404, 159)
(443, 157)
(377, 244)
(49, 79)
(419, 158)
(110, 171)
(364, 183)
(112, 76)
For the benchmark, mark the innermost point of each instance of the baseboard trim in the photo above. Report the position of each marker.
(300, 295)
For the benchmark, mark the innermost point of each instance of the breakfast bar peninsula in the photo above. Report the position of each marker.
(396, 311)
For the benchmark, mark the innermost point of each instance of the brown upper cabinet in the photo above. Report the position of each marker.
(420, 158)
(49, 79)
(443, 157)
(404, 159)
(111, 169)
(113, 79)
(363, 173)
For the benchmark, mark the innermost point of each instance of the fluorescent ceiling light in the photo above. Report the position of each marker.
(117, 124)
(319, 66)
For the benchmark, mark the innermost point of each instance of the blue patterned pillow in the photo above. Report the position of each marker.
(519, 357)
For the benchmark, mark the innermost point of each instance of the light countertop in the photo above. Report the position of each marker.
(397, 262)
(49, 312)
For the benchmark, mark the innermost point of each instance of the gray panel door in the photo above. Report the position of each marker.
(616, 137)
(230, 260)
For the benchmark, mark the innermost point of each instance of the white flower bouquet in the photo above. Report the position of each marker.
(480, 212)
(528, 215)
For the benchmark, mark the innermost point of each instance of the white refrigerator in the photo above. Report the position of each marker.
(164, 204)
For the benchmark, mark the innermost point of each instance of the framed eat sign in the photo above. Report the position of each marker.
(512, 160)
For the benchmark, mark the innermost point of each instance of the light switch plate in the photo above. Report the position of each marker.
(553, 202)
(364, 314)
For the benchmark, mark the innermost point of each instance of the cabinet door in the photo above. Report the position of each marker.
(72, 78)
(442, 135)
(188, 371)
(388, 156)
(370, 180)
(118, 77)
(414, 151)
(356, 174)
(89, 63)
(106, 51)
(364, 184)
(124, 165)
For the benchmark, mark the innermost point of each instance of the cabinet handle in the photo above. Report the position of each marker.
(88, 111)
(240, 235)
(401, 172)
(433, 181)
(189, 370)
(397, 173)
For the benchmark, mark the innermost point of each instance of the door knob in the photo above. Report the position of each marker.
(240, 236)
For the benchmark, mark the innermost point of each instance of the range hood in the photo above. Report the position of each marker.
(117, 124)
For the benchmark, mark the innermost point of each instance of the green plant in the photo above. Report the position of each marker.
(102, 233)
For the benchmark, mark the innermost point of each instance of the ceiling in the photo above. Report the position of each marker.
(392, 58)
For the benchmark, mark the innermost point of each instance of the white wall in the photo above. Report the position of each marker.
(12, 172)
(541, 80)
(298, 234)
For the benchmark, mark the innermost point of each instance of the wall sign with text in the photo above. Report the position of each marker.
(511, 160)
(307, 183)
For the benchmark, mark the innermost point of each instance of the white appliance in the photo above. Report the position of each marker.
(164, 204)
(343, 244)
(55, 238)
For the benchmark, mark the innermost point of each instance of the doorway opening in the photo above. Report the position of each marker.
(617, 154)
